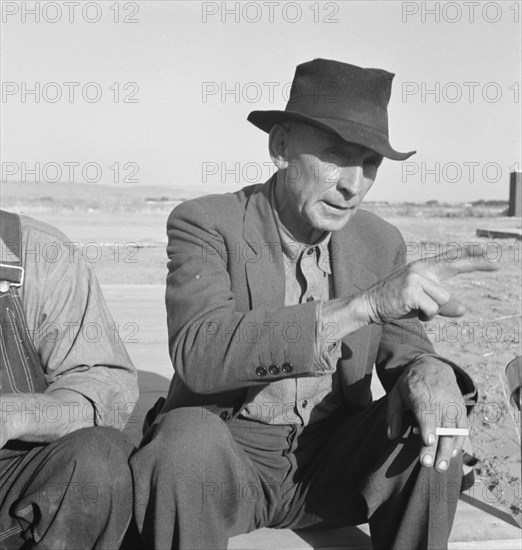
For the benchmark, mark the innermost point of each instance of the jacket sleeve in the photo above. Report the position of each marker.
(213, 346)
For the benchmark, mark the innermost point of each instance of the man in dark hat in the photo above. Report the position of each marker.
(281, 298)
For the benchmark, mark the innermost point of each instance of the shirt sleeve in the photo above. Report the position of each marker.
(71, 327)
(327, 349)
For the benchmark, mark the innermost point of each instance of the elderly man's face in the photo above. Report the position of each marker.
(325, 181)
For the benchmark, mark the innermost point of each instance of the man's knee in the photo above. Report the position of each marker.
(81, 487)
(97, 443)
(101, 459)
(184, 438)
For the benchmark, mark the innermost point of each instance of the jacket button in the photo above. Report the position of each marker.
(261, 371)
(287, 368)
(225, 415)
(273, 369)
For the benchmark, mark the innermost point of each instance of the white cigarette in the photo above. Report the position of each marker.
(446, 431)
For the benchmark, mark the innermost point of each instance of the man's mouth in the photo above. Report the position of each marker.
(337, 207)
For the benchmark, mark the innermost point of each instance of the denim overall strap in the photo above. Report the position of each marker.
(20, 367)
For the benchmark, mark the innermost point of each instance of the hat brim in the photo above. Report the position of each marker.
(346, 129)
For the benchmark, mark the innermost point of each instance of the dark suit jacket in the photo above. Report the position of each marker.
(225, 295)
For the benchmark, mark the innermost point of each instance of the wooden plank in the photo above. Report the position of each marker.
(353, 538)
(512, 544)
(475, 527)
(512, 233)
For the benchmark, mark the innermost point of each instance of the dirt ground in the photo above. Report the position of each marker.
(129, 249)
(483, 342)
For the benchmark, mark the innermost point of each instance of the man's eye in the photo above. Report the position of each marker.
(374, 161)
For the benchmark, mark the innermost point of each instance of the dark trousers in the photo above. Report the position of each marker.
(73, 494)
(199, 480)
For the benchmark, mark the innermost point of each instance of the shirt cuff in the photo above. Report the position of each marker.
(327, 347)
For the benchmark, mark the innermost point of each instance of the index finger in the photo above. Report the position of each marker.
(457, 259)
(426, 419)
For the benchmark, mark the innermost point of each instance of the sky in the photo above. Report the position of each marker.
(157, 93)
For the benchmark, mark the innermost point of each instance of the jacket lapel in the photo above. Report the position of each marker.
(348, 256)
(264, 258)
(351, 275)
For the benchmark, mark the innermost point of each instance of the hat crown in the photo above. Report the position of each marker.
(329, 81)
(334, 90)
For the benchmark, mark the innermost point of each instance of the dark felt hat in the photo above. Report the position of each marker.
(337, 97)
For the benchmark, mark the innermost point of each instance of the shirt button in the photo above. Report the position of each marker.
(310, 251)
(261, 371)
(273, 369)
(305, 403)
(310, 299)
(287, 368)
(225, 415)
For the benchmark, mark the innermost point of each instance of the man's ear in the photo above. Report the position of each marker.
(278, 145)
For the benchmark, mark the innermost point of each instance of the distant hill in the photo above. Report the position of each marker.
(90, 197)
(85, 195)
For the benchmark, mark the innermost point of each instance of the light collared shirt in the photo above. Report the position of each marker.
(70, 326)
(302, 401)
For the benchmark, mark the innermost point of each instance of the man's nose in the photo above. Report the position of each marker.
(351, 180)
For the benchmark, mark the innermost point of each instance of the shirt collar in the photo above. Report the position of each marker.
(293, 250)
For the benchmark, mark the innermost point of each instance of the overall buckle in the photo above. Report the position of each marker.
(10, 275)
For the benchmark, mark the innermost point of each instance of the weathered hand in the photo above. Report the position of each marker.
(5, 430)
(23, 415)
(429, 389)
(9, 419)
(415, 290)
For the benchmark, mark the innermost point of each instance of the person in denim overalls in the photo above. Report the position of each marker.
(64, 475)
